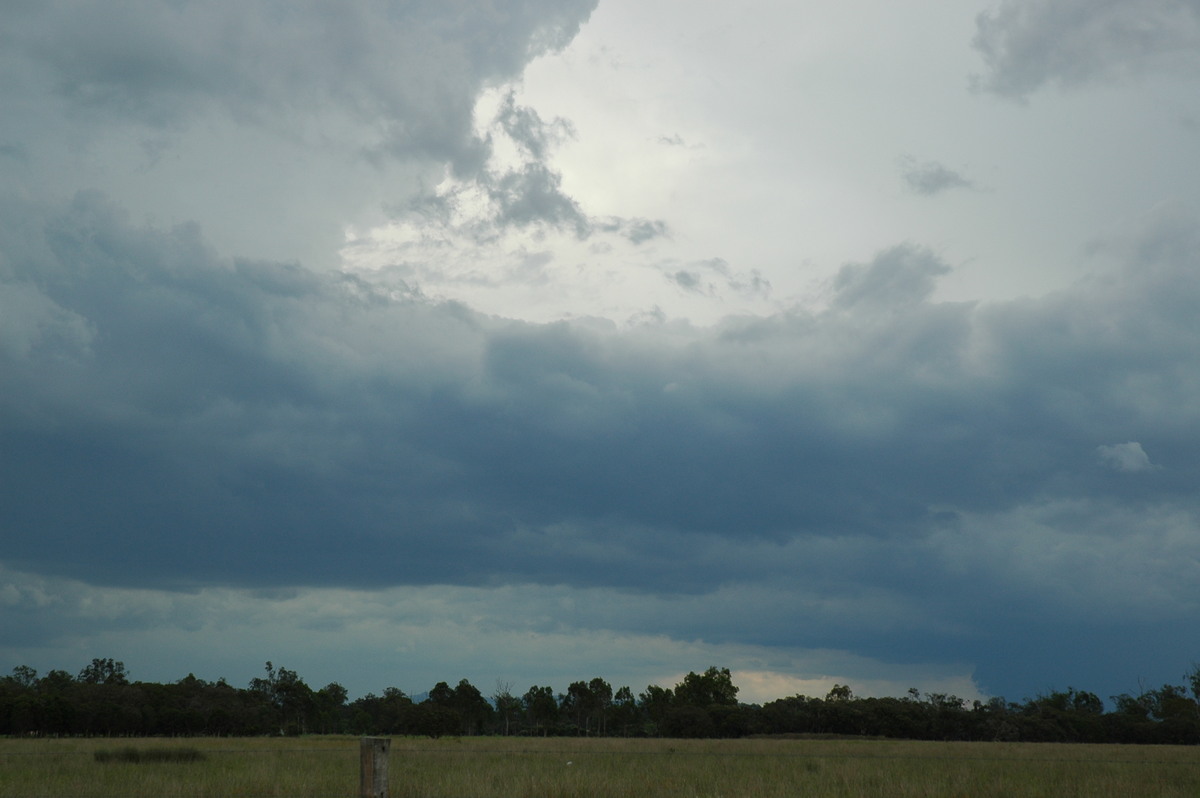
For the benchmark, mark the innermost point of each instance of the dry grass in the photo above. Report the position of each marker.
(327, 767)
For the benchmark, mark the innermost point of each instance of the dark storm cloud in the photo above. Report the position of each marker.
(409, 72)
(171, 417)
(1028, 43)
(313, 407)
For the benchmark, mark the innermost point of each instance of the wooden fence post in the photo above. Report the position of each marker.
(373, 778)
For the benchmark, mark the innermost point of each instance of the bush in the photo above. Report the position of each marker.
(135, 755)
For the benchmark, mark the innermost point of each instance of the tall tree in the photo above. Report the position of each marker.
(655, 703)
(624, 711)
(541, 708)
(602, 697)
(507, 705)
(104, 671)
(472, 708)
(714, 686)
(578, 704)
(290, 697)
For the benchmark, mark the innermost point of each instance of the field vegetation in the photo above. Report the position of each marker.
(512, 767)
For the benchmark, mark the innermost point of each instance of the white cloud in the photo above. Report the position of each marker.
(1128, 457)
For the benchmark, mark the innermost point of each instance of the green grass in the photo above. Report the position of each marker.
(327, 767)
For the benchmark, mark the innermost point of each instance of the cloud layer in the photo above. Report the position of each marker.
(176, 419)
(324, 331)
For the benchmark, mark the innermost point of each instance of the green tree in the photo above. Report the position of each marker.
(602, 698)
(541, 708)
(471, 707)
(508, 706)
(624, 711)
(655, 702)
(104, 671)
(578, 704)
(714, 686)
(330, 706)
(840, 692)
(688, 721)
(288, 695)
(441, 695)
(24, 676)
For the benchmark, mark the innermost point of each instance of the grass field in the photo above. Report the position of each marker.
(327, 767)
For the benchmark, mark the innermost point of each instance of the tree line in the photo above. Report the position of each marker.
(102, 701)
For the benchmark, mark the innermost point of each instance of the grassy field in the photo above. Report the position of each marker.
(327, 767)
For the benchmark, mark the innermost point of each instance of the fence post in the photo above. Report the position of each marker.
(373, 778)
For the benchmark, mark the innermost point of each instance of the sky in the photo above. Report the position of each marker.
(529, 342)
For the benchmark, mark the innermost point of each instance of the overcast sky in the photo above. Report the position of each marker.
(402, 342)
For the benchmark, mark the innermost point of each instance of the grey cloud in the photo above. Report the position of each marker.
(409, 71)
(526, 128)
(901, 276)
(713, 276)
(170, 417)
(16, 152)
(533, 194)
(635, 230)
(642, 230)
(687, 280)
(298, 116)
(930, 178)
(1029, 43)
(525, 196)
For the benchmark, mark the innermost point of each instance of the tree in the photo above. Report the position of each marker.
(104, 671)
(578, 705)
(541, 708)
(624, 710)
(688, 721)
(655, 703)
(507, 705)
(840, 692)
(24, 676)
(472, 708)
(1177, 714)
(330, 704)
(288, 695)
(434, 719)
(441, 695)
(714, 686)
(602, 697)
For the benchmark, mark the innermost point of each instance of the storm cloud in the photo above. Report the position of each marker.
(174, 418)
(399, 331)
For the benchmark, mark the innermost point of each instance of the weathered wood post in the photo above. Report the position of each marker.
(373, 779)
